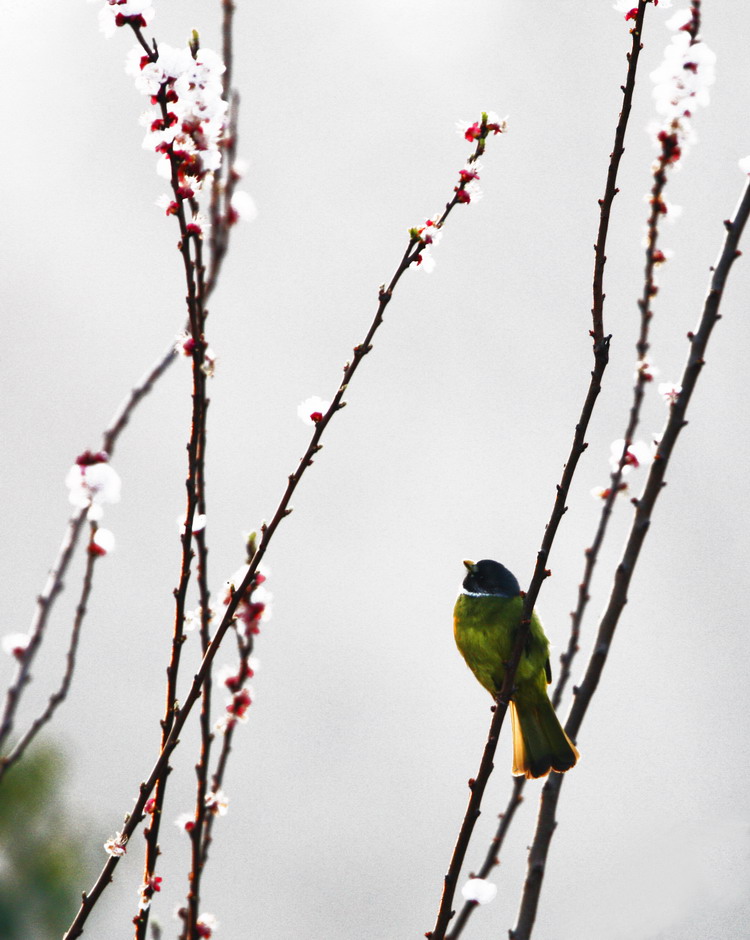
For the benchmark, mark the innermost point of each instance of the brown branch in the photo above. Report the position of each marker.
(600, 353)
(45, 601)
(492, 857)
(411, 255)
(625, 569)
(129, 404)
(477, 785)
(611, 189)
(201, 769)
(225, 177)
(60, 694)
(190, 248)
(55, 581)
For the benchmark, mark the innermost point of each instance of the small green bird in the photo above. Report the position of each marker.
(485, 624)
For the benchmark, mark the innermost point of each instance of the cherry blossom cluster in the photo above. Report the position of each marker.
(186, 124)
(240, 698)
(15, 644)
(646, 371)
(147, 891)
(184, 345)
(479, 890)
(638, 454)
(626, 7)
(216, 803)
(428, 235)
(254, 607)
(117, 845)
(205, 925)
(92, 482)
(479, 130)
(138, 13)
(466, 190)
(681, 85)
(311, 410)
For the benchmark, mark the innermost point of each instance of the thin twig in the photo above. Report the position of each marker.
(412, 254)
(616, 485)
(60, 694)
(478, 784)
(597, 313)
(55, 580)
(225, 178)
(190, 248)
(236, 709)
(625, 569)
(125, 411)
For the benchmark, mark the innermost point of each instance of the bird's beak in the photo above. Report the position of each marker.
(470, 565)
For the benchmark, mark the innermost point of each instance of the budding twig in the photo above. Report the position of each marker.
(621, 582)
(178, 717)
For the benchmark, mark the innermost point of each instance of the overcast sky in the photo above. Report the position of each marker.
(348, 783)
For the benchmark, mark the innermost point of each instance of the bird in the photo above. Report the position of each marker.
(486, 619)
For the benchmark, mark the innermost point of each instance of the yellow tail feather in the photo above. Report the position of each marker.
(540, 743)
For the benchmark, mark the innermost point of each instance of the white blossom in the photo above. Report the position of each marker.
(479, 890)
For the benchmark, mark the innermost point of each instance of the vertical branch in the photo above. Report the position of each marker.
(601, 356)
(477, 785)
(225, 178)
(55, 583)
(624, 573)
(611, 189)
(46, 599)
(616, 486)
(190, 247)
(412, 254)
(61, 692)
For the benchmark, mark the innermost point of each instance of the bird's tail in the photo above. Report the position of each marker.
(539, 741)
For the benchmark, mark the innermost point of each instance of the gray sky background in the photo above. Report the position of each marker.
(348, 784)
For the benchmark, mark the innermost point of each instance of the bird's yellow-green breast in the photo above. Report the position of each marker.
(486, 620)
(485, 628)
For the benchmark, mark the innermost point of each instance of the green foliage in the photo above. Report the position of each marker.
(40, 850)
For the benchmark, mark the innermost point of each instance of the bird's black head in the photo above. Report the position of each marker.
(490, 577)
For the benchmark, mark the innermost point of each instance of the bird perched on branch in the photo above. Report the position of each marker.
(486, 620)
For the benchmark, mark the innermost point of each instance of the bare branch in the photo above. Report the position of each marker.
(639, 529)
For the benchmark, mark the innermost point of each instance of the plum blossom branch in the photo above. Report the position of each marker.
(477, 785)
(644, 507)
(672, 92)
(601, 357)
(55, 580)
(46, 599)
(416, 245)
(680, 84)
(605, 207)
(211, 801)
(59, 695)
(186, 81)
